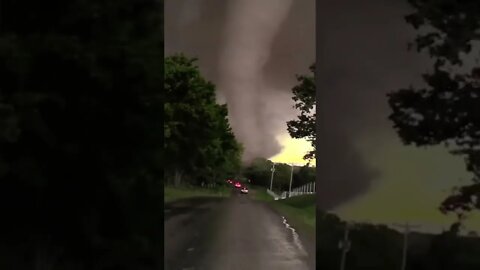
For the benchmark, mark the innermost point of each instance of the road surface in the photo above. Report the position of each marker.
(230, 234)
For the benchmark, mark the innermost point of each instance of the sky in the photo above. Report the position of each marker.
(293, 151)
(250, 50)
(361, 56)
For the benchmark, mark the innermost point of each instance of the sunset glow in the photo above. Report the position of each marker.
(293, 151)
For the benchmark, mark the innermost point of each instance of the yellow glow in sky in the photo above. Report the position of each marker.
(411, 185)
(293, 151)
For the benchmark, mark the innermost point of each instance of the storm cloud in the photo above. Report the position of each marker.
(361, 56)
(252, 51)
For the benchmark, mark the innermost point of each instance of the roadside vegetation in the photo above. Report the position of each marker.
(379, 247)
(259, 172)
(305, 206)
(299, 210)
(199, 146)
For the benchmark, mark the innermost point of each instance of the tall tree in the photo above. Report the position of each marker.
(304, 125)
(447, 110)
(198, 137)
(304, 175)
(259, 172)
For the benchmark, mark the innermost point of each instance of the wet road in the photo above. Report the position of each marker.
(230, 234)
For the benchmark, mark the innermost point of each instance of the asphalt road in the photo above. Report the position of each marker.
(230, 234)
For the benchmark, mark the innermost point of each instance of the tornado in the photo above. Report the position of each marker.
(249, 33)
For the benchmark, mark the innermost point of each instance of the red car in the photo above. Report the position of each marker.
(238, 185)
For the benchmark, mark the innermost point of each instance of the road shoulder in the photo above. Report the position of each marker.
(294, 217)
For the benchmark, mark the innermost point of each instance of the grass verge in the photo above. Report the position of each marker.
(177, 193)
(260, 194)
(300, 209)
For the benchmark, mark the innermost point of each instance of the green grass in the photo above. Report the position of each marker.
(260, 194)
(177, 193)
(299, 209)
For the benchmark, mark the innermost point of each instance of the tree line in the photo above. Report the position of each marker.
(380, 247)
(259, 173)
(199, 142)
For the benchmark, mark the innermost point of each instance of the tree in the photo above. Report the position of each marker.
(80, 138)
(304, 125)
(259, 172)
(304, 175)
(198, 138)
(447, 111)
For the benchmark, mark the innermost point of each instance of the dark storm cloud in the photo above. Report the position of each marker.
(362, 55)
(194, 27)
(252, 51)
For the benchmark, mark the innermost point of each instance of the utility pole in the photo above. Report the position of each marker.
(345, 246)
(406, 230)
(271, 179)
(291, 177)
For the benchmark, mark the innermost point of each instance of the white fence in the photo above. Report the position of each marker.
(308, 188)
(273, 194)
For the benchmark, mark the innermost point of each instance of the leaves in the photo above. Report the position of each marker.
(447, 111)
(199, 139)
(452, 27)
(259, 171)
(304, 97)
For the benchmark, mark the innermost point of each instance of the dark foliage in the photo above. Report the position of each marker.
(380, 247)
(80, 134)
(447, 110)
(259, 172)
(199, 141)
(304, 125)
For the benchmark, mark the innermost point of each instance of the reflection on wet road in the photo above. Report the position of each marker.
(242, 234)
